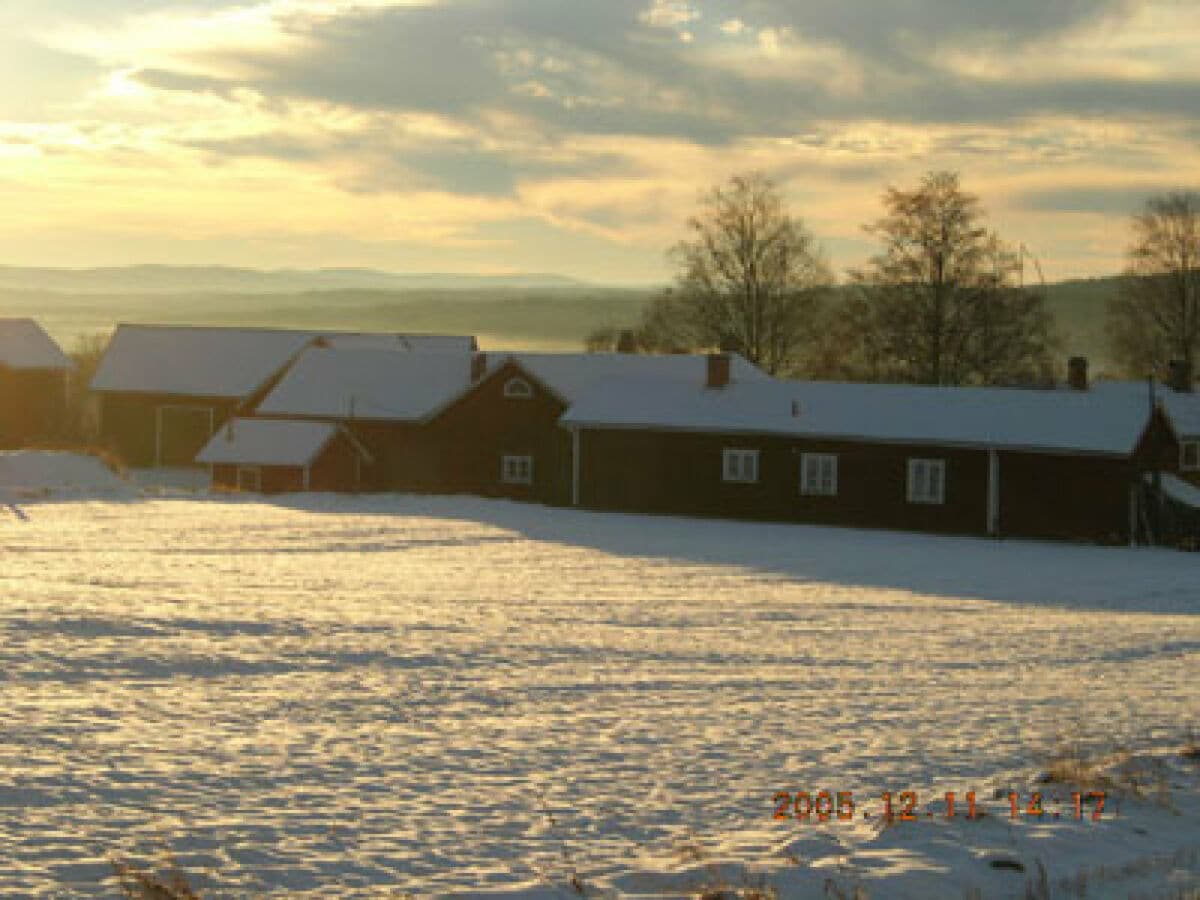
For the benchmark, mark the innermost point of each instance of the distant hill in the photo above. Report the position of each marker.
(224, 279)
(533, 311)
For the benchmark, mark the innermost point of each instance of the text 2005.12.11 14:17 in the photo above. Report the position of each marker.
(825, 806)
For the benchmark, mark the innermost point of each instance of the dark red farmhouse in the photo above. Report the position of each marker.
(33, 383)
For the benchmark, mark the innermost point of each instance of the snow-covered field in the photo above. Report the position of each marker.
(362, 697)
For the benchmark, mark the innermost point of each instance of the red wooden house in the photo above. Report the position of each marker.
(1056, 463)
(501, 437)
(33, 383)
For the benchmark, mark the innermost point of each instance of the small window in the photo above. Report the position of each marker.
(818, 474)
(1189, 456)
(926, 481)
(741, 465)
(518, 389)
(249, 479)
(516, 469)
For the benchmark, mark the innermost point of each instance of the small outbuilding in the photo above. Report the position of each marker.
(275, 456)
(34, 374)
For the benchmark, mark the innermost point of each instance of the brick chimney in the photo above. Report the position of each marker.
(1180, 376)
(718, 370)
(478, 366)
(1077, 373)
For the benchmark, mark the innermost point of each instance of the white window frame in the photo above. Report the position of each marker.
(516, 469)
(1192, 446)
(256, 472)
(921, 487)
(739, 465)
(819, 474)
(517, 388)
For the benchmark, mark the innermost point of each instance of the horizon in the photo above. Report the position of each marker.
(485, 138)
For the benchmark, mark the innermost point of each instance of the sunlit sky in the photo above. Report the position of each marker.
(572, 136)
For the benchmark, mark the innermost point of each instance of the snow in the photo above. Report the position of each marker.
(219, 362)
(1182, 407)
(357, 697)
(1183, 491)
(24, 345)
(570, 375)
(1049, 420)
(368, 384)
(267, 442)
(29, 473)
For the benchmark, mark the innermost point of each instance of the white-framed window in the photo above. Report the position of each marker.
(516, 469)
(249, 479)
(1189, 456)
(818, 474)
(740, 465)
(518, 389)
(926, 481)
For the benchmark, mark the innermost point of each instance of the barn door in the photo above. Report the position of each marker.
(182, 432)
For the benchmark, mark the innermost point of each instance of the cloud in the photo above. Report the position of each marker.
(1107, 199)
(668, 14)
(599, 121)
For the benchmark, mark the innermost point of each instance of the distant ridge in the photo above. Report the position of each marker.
(163, 279)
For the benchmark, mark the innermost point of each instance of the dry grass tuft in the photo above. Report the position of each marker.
(141, 884)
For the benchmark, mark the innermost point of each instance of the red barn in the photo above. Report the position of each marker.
(165, 390)
(275, 456)
(33, 383)
(383, 397)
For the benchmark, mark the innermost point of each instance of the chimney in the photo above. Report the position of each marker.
(478, 366)
(1077, 373)
(626, 342)
(1180, 377)
(718, 370)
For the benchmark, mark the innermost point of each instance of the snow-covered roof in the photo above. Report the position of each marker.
(368, 384)
(570, 375)
(24, 345)
(1178, 489)
(267, 442)
(224, 362)
(1182, 408)
(1051, 420)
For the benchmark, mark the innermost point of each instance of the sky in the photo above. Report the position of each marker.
(574, 136)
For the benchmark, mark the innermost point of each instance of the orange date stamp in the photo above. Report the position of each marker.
(840, 806)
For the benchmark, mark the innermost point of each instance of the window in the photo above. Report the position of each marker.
(518, 388)
(516, 469)
(926, 481)
(741, 465)
(818, 474)
(1189, 456)
(249, 479)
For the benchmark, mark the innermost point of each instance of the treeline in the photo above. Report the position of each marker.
(943, 301)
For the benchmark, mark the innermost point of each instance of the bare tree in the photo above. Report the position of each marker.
(941, 304)
(750, 279)
(1155, 317)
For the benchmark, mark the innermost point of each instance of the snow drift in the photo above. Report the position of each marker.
(31, 474)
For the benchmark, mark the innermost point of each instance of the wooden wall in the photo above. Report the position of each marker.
(474, 434)
(128, 424)
(32, 405)
(676, 472)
